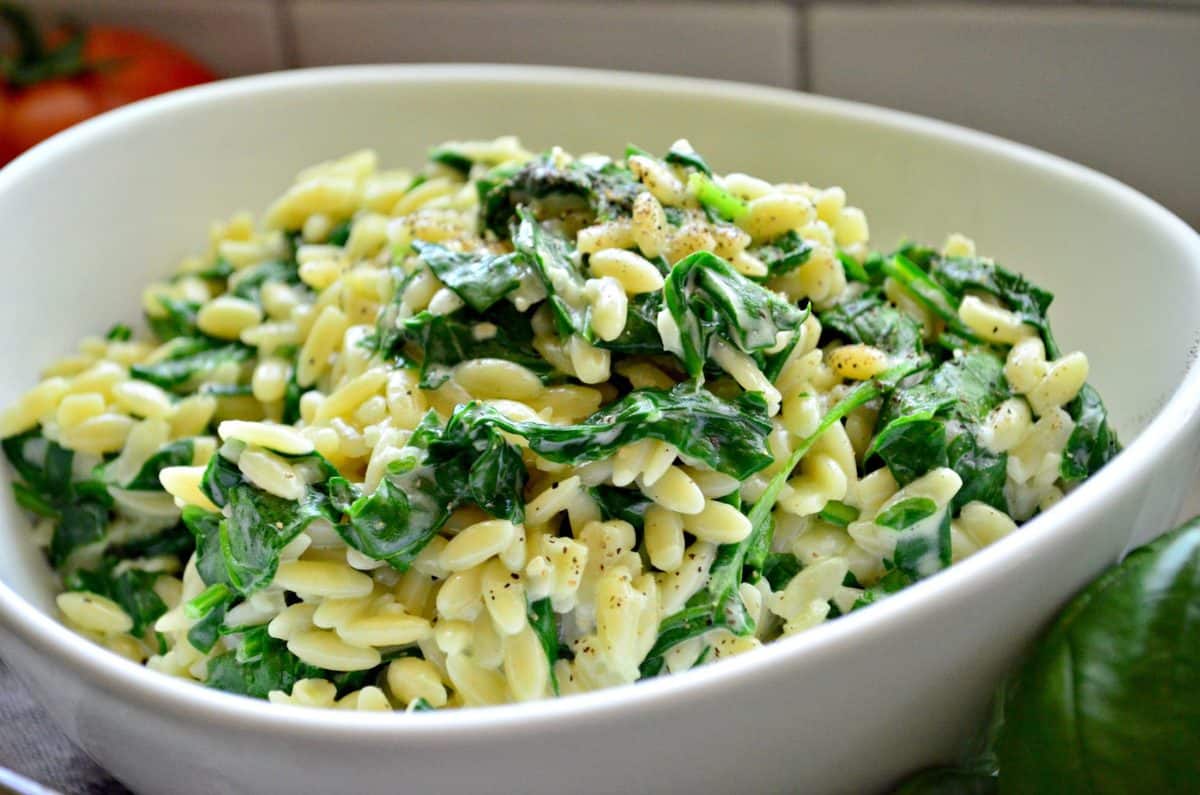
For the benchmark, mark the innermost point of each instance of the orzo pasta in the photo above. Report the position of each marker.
(518, 425)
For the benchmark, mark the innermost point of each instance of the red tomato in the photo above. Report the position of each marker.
(115, 67)
(41, 110)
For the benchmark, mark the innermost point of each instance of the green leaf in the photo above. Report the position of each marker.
(272, 668)
(628, 505)
(707, 298)
(205, 527)
(959, 274)
(190, 360)
(595, 193)
(838, 513)
(395, 522)
(1093, 442)
(983, 472)
(221, 268)
(906, 513)
(911, 446)
(728, 435)
(640, 335)
(258, 526)
(1112, 688)
(174, 540)
(177, 453)
(929, 293)
(480, 279)
(132, 589)
(679, 157)
(442, 341)
(780, 568)
(119, 333)
(249, 282)
(178, 320)
(545, 626)
(32, 501)
(550, 255)
(715, 198)
(81, 522)
(785, 253)
(869, 319)
(452, 157)
(913, 435)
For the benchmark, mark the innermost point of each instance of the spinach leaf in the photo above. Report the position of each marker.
(913, 422)
(209, 609)
(189, 361)
(785, 253)
(628, 505)
(707, 298)
(1112, 686)
(119, 332)
(132, 589)
(397, 520)
(1093, 443)
(205, 527)
(545, 626)
(679, 157)
(983, 472)
(640, 335)
(929, 293)
(174, 540)
(480, 279)
(465, 462)
(257, 526)
(959, 274)
(715, 199)
(178, 320)
(911, 446)
(177, 453)
(602, 193)
(340, 234)
(869, 319)
(81, 522)
(780, 568)
(923, 548)
(562, 279)
(907, 513)
(443, 341)
(838, 513)
(221, 268)
(82, 507)
(44, 465)
(250, 282)
(728, 435)
(451, 157)
(271, 667)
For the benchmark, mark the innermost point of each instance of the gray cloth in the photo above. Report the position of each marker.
(34, 747)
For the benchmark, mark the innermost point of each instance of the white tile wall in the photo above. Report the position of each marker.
(233, 37)
(1118, 89)
(754, 41)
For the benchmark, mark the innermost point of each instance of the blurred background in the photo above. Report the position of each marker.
(1114, 84)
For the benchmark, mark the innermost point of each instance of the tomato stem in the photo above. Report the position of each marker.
(33, 62)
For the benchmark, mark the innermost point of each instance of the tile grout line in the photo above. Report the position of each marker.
(286, 31)
(802, 42)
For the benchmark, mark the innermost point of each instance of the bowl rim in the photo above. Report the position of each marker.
(187, 699)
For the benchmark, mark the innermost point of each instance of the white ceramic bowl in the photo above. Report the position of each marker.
(92, 215)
